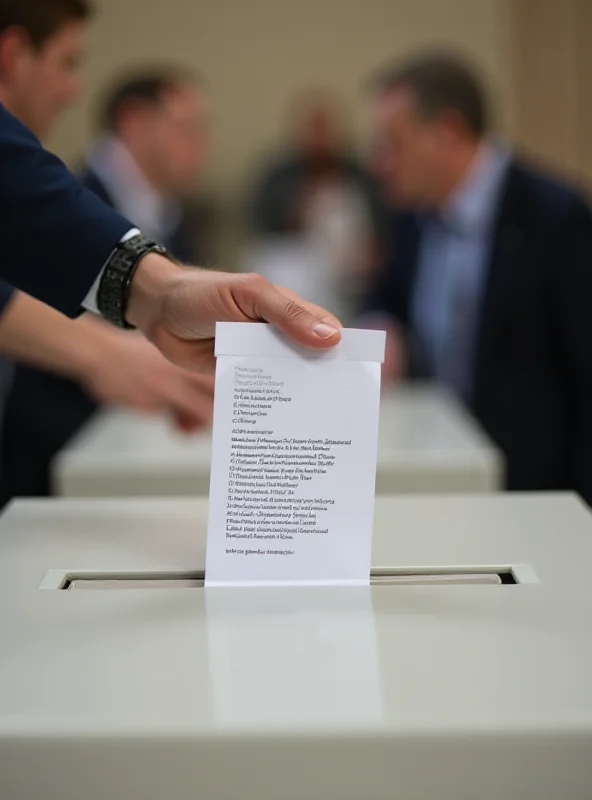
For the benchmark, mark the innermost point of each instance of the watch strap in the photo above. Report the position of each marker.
(117, 276)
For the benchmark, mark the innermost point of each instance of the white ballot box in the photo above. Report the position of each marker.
(462, 671)
(426, 443)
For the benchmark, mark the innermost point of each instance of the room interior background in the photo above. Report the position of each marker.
(255, 54)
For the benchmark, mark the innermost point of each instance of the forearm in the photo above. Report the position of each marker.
(39, 336)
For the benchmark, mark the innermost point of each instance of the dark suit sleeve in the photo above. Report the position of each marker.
(571, 304)
(56, 236)
(6, 294)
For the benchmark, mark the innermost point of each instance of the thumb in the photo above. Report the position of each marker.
(301, 321)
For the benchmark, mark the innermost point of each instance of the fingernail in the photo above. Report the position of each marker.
(324, 331)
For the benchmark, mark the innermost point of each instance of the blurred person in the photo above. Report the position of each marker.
(41, 49)
(152, 149)
(488, 285)
(320, 200)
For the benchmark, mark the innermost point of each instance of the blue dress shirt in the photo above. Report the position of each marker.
(454, 249)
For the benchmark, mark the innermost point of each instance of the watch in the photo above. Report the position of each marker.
(116, 280)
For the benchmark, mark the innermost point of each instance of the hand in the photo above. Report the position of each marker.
(127, 370)
(177, 309)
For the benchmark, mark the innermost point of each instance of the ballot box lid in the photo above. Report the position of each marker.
(390, 663)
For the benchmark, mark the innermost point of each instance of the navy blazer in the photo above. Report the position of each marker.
(532, 374)
(56, 235)
(43, 411)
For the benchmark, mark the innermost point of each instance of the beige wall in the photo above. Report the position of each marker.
(551, 74)
(256, 52)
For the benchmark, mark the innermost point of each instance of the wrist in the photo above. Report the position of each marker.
(151, 283)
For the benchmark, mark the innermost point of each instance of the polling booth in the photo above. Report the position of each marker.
(461, 671)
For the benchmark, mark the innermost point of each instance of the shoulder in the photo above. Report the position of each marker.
(546, 196)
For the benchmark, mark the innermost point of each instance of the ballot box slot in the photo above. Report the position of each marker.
(133, 580)
(481, 575)
(446, 576)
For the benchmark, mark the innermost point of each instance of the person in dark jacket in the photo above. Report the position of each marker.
(318, 154)
(489, 282)
(60, 242)
(155, 137)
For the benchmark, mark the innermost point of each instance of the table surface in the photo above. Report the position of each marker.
(427, 442)
(407, 680)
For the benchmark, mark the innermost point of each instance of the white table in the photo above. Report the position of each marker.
(431, 692)
(427, 443)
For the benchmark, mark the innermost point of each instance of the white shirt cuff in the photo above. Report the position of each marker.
(90, 301)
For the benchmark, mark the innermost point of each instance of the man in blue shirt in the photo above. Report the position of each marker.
(452, 263)
(490, 278)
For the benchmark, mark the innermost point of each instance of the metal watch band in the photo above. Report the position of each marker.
(115, 283)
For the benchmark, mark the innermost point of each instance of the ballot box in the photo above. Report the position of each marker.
(427, 443)
(462, 671)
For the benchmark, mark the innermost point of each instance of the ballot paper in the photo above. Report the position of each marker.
(293, 458)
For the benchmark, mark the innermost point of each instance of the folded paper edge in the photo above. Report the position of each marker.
(260, 340)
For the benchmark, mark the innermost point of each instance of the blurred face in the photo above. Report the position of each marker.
(171, 141)
(319, 134)
(38, 84)
(411, 151)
